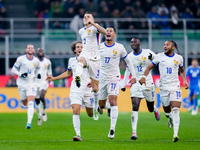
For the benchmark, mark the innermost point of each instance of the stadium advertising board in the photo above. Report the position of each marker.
(57, 100)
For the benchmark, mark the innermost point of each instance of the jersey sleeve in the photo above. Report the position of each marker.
(18, 62)
(95, 29)
(49, 71)
(153, 54)
(156, 60)
(181, 62)
(69, 65)
(123, 52)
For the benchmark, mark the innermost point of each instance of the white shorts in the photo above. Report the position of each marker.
(77, 98)
(24, 92)
(140, 91)
(108, 87)
(40, 88)
(93, 67)
(168, 96)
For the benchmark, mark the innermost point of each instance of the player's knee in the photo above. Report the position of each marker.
(37, 101)
(95, 89)
(101, 104)
(135, 107)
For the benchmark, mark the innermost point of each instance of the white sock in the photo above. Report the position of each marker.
(96, 101)
(107, 105)
(79, 69)
(113, 117)
(76, 123)
(37, 107)
(134, 120)
(30, 111)
(43, 111)
(168, 115)
(155, 108)
(176, 120)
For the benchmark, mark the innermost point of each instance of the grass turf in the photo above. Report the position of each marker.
(57, 133)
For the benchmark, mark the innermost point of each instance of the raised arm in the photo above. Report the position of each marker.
(183, 76)
(99, 28)
(146, 72)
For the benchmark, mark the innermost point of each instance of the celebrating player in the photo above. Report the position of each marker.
(78, 96)
(42, 85)
(110, 53)
(194, 75)
(170, 93)
(141, 58)
(89, 57)
(26, 67)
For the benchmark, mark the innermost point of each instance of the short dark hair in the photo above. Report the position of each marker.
(88, 12)
(194, 59)
(136, 38)
(73, 46)
(110, 26)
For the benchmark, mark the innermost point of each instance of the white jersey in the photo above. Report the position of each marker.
(168, 68)
(140, 62)
(45, 69)
(25, 65)
(109, 60)
(85, 79)
(90, 39)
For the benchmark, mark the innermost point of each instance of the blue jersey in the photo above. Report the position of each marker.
(194, 76)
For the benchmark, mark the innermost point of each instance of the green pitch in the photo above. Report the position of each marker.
(57, 133)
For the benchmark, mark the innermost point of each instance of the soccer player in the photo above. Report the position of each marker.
(42, 85)
(170, 93)
(110, 53)
(78, 96)
(27, 68)
(141, 58)
(89, 57)
(193, 73)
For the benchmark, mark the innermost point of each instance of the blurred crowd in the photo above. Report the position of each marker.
(122, 9)
(2, 15)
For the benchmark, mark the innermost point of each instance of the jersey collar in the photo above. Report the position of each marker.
(137, 54)
(87, 27)
(28, 58)
(109, 46)
(170, 56)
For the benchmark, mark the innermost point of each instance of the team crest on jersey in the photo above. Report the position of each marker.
(88, 31)
(114, 52)
(143, 58)
(175, 62)
(45, 66)
(34, 65)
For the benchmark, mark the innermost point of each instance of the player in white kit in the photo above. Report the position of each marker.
(27, 68)
(170, 93)
(89, 57)
(141, 58)
(42, 85)
(110, 54)
(78, 96)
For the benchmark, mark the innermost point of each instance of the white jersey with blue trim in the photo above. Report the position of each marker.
(45, 69)
(140, 62)
(110, 59)
(90, 39)
(168, 68)
(25, 65)
(85, 79)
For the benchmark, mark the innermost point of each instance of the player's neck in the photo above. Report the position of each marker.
(40, 58)
(170, 54)
(109, 43)
(137, 51)
(29, 56)
(87, 25)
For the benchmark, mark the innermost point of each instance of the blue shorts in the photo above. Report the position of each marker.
(193, 91)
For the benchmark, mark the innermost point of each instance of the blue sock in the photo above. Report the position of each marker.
(194, 103)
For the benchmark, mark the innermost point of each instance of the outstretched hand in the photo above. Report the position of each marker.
(132, 81)
(50, 78)
(186, 86)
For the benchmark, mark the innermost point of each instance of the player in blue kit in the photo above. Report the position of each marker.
(193, 73)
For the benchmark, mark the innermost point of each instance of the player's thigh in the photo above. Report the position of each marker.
(136, 90)
(75, 98)
(94, 69)
(149, 94)
(165, 97)
(22, 93)
(76, 109)
(83, 59)
(103, 94)
(88, 100)
(113, 87)
(176, 95)
(31, 90)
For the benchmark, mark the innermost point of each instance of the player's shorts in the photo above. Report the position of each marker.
(108, 87)
(168, 96)
(93, 67)
(40, 88)
(78, 98)
(193, 91)
(140, 91)
(24, 92)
